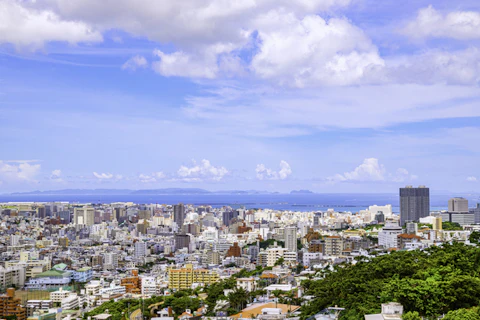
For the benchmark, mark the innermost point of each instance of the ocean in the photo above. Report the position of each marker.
(293, 202)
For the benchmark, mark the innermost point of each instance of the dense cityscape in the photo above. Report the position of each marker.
(64, 260)
(239, 159)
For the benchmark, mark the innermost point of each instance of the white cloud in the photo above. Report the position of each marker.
(472, 179)
(107, 176)
(264, 173)
(26, 27)
(312, 51)
(436, 66)
(202, 171)
(429, 22)
(208, 36)
(186, 65)
(372, 170)
(150, 178)
(56, 175)
(19, 171)
(135, 63)
(185, 23)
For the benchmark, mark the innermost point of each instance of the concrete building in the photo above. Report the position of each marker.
(387, 237)
(12, 276)
(51, 279)
(437, 223)
(333, 246)
(291, 239)
(273, 254)
(458, 205)
(462, 218)
(59, 295)
(140, 249)
(182, 241)
(84, 216)
(247, 284)
(179, 214)
(185, 277)
(11, 306)
(414, 203)
(83, 275)
(111, 260)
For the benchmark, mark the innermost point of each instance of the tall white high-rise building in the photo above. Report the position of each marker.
(140, 249)
(291, 239)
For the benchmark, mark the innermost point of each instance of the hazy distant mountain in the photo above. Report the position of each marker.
(115, 191)
(76, 192)
(165, 191)
(301, 192)
(172, 191)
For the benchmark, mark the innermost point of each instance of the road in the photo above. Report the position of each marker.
(136, 315)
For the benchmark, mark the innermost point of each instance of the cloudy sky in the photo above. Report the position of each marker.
(326, 95)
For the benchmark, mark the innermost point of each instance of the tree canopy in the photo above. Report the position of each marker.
(431, 282)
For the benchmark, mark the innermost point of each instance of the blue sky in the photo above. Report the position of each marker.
(326, 95)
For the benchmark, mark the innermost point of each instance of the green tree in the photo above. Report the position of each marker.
(463, 314)
(451, 226)
(279, 261)
(411, 315)
(475, 237)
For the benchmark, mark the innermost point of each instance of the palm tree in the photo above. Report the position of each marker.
(276, 293)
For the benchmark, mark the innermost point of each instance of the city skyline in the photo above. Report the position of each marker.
(327, 95)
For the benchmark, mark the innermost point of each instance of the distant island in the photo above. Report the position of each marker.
(301, 191)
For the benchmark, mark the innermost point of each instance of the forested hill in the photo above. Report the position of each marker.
(431, 282)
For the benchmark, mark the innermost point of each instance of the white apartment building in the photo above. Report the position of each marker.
(72, 302)
(93, 288)
(308, 256)
(113, 289)
(150, 286)
(247, 284)
(59, 295)
(273, 254)
(290, 257)
(14, 275)
(387, 237)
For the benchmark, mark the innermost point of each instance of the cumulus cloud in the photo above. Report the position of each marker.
(19, 171)
(462, 25)
(134, 63)
(107, 176)
(186, 23)
(264, 173)
(202, 171)
(372, 170)
(27, 27)
(472, 179)
(289, 41)
(56, 175)
(312, 50)
(150, 178)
